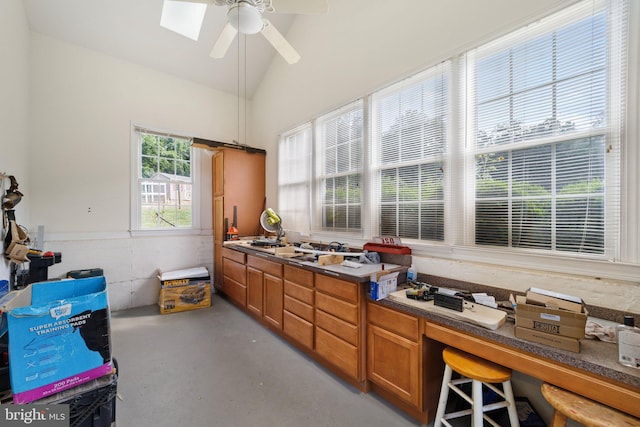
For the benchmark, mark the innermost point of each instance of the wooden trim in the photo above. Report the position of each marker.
(217, 145)
(595, 387)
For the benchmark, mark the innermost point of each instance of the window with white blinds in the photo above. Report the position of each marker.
(512, 151)
(545, 107)
(339, 149)
(294, 179)
(409, 144)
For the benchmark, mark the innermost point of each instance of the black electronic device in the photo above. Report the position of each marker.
(452, 302)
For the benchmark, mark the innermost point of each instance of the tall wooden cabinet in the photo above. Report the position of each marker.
(238, 180)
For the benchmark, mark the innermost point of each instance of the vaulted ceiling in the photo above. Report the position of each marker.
(130, 30)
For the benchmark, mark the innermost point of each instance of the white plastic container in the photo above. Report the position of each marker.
(628, 343)
(412, 274)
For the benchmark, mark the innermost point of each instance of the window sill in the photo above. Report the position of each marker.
(169, 232)
(586, 267)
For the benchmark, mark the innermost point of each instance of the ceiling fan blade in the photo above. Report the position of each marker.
(224, 41)
(306, 7)
(278, 41)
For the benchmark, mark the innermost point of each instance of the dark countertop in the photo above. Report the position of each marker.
(358, 275)
(595, 356)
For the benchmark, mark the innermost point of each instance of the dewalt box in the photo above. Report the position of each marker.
(185, 297)
(183, 290)
(59, 336)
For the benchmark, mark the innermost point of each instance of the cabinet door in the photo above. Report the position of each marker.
(393, 362)
(273, 295)
(254, 291)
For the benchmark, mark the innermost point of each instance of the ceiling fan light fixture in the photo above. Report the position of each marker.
(245, 18)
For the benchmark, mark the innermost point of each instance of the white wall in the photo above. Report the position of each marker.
(81, 106)
(360, 46)
(14, 98)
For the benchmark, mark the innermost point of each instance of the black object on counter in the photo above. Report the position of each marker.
(39, 265)
(88, 272)
(452, 302)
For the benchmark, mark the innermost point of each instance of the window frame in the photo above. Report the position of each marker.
(611, 132)
(374, 144)
(320, 176)
(136, 178)
(285, 183)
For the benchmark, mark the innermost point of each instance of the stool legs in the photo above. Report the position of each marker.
(476, 393)
(559, 419)
(511, 409)
(444, 396)
(477, 405)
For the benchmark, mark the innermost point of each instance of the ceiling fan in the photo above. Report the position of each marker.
(245, 17)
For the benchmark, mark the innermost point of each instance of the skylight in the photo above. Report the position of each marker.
(184, 18)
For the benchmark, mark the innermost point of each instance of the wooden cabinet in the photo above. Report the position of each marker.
(234, 280)
(238, 180)
(338, 320)
(298, 317)
(394, 352)
(265, 290)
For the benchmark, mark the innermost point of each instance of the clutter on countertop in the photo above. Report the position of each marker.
(551, 318)
(382, 284)
(477, 314)
(603, 330)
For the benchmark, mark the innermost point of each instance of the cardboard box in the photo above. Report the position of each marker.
(382, 284)
(558, 341)
(59, 336)
(182, 290)
(186, 297)
(189, 276)
(550, 320)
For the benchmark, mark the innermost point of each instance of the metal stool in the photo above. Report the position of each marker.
(582, 410)
(476, 371)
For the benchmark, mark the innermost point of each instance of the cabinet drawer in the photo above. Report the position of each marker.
(298, 292)
(341, 309)
(269, 267)
(347, 291)
(235, 271)
(298, 329)
(298, 308)
(299, 276)
(394, 321)
(234, 255)
(339, 353)
(337, 327)
(236, 291)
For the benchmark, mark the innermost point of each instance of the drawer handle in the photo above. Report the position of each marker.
(331, 273)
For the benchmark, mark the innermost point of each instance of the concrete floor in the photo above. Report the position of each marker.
(219, 367)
